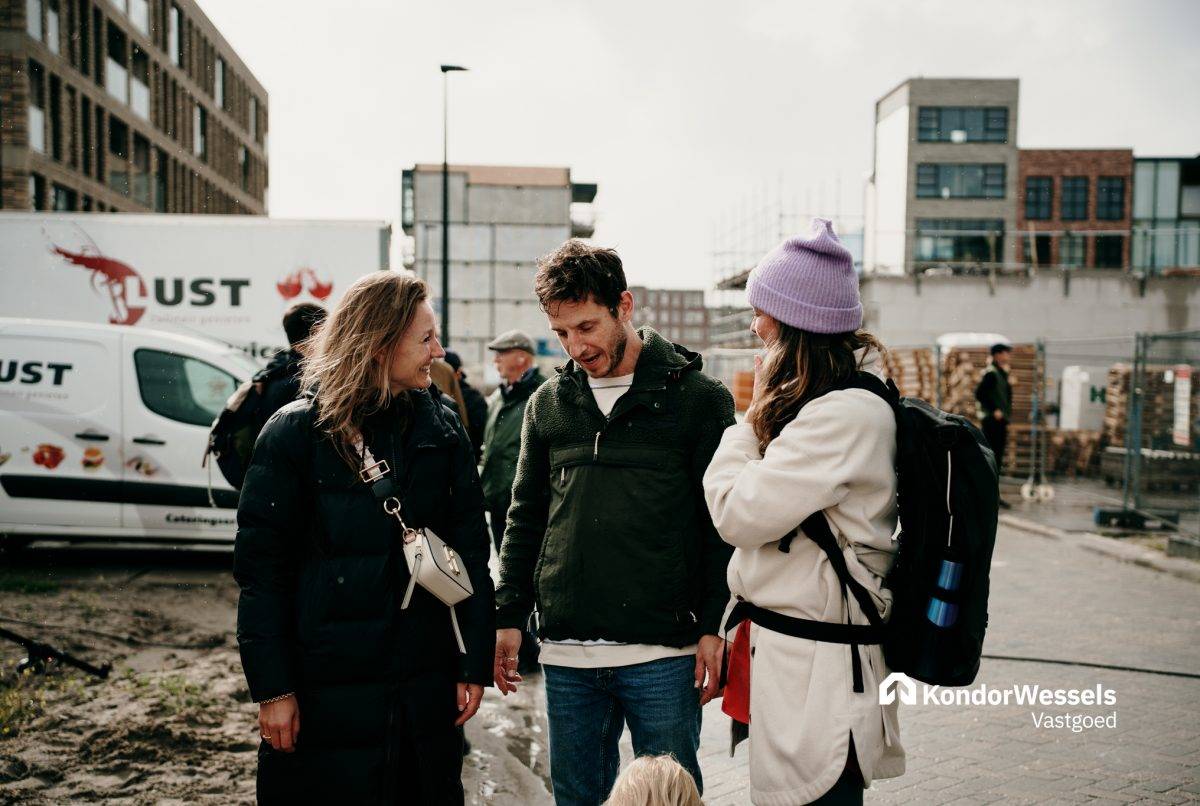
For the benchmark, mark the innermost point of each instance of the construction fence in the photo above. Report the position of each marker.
(1117, 417)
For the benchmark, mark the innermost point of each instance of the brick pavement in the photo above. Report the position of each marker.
(1050, 599)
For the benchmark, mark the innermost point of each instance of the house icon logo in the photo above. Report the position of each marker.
(901, 683)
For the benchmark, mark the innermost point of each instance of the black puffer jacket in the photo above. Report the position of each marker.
(322, 575)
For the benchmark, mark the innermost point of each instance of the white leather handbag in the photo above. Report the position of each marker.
(431, 563)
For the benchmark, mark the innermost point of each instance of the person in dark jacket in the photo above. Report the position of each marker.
(519, 378)
(278, 383)
(361, 699)
(473, 399)
(609, 535)
(994, 398)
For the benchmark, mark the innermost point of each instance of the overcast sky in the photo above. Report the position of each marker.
(685, 113)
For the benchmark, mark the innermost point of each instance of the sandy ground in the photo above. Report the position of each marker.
(173, 722)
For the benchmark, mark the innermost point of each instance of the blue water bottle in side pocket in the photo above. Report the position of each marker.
(943, 605)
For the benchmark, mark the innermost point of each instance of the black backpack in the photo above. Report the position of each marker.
(231, 439)
(948, 499)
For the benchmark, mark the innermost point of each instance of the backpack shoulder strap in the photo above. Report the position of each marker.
(816, 527)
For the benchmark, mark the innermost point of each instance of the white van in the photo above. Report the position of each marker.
(103, 430)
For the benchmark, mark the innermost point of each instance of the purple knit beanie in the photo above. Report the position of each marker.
(809, 283)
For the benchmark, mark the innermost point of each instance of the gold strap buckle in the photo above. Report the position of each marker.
(373, 473)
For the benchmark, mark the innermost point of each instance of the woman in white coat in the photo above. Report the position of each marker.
(817, 730)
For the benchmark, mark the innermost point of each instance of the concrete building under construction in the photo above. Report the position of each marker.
(502, 219)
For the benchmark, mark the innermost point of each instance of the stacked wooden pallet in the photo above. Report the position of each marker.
(743, 389)
(1158, 407)
(914, 371)
(963, 367)
(1074, 453)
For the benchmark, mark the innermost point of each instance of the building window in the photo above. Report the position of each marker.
(63, 199)
(1110, 251)
(85, 123)
(1039, 198)
(139, 15)
(174, 39)
(962, 124)
(56, 123)
(1036, 250)
(407, 213)
(52, 40)
(966, 240)
(960, 181)
(253, 119)
(141, 171)
(160, 180)
(1074, 198)
(199, 131)
(1110, 198)
(37, 108)
(139, 84)
(37, 192)
(118, 150)
(219, 84)
(33, 18)
(1071, 251)
(244, 164)
(116, 77)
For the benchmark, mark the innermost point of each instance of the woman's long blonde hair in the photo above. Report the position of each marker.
(341, 367)
(655, 781)
(800, 366)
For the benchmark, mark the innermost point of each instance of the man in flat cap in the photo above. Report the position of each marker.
(519, 378)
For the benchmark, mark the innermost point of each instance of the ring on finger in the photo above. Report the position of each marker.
(267, 736)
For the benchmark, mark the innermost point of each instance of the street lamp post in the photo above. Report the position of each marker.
(446, 69)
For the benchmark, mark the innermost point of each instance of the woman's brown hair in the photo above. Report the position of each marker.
(799, 367)
(342, 367)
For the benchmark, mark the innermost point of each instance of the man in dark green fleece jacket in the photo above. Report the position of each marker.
(608, 535)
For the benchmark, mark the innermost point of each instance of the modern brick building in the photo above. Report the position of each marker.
(1073, 207)
(126, 105)
(943, 179)
(678, 314)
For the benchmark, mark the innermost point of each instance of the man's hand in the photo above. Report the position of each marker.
(997, 414)
(708, 666)
(469, 697)
(279, 723)
(504, 670)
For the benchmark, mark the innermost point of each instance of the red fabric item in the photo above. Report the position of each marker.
(736, 701)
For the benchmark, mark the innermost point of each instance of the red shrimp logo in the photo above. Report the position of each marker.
(304, 279)
(115, 278)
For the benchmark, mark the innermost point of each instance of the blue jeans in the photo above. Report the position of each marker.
(588, 709)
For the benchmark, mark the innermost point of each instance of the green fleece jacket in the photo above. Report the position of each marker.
(608, 534)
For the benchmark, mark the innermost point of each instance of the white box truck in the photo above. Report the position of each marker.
(224, 277)
(121, 337)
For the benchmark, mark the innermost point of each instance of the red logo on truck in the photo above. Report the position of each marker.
(115, 278)
(303, 280)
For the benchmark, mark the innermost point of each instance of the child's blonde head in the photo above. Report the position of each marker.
(655, 781)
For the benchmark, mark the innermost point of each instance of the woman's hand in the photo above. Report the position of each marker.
(760, 390)
(279, 723)
(469, 697)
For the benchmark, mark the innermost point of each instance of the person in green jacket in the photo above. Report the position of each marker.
(519, 377)
(994, 398)
(609, 536)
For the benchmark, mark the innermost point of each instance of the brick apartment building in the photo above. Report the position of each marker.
(678, 314)
(1074, 207)
(126, 105)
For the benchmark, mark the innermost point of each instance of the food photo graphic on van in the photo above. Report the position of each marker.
(228, 278)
